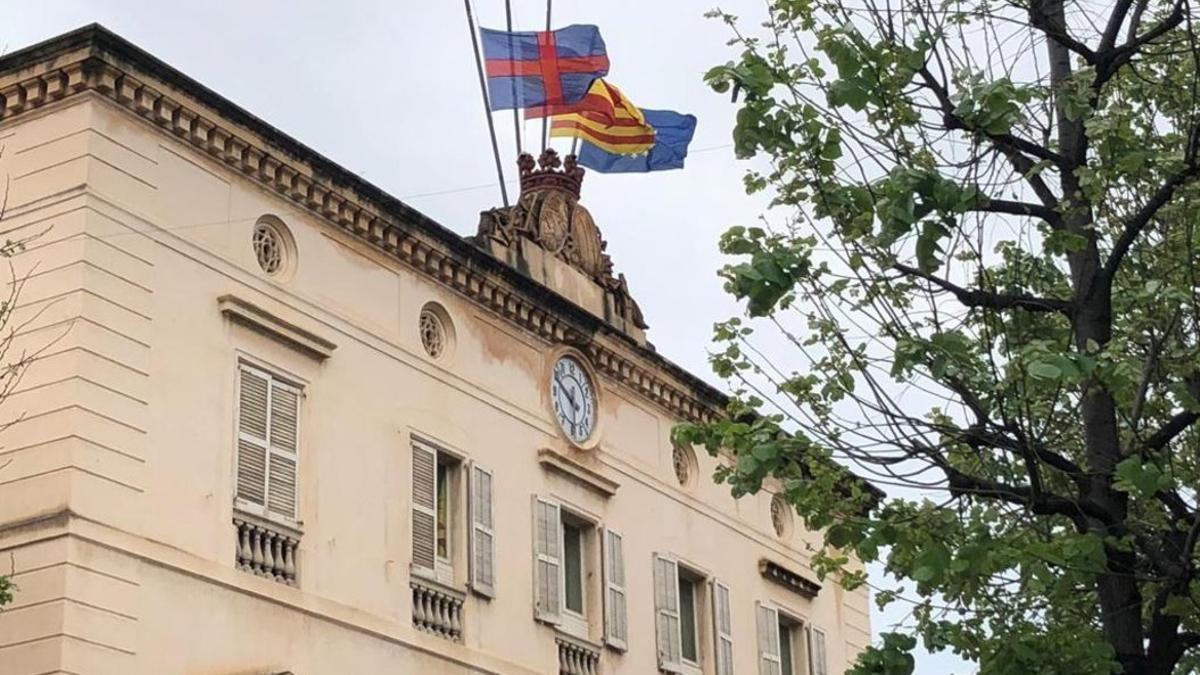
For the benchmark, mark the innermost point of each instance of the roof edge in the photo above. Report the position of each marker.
(117, 52)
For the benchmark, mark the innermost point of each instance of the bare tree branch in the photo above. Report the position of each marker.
(1138, 222)
(1179, 423)
(975, 298)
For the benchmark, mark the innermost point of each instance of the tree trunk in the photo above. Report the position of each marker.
(1119, 595)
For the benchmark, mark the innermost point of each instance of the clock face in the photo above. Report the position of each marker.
(574, 399)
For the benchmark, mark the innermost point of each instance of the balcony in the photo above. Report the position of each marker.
(266, 549)
(577, 657)
(437, 609)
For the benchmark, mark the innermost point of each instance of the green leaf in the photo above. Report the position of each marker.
(1043, 370)
(852, 93)
(1146, 479)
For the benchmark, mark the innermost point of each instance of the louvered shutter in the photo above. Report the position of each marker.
(666, 604)
(424, 507)
(284, 445)
(723, 629)
(768, 641)
(818, 662)
(547, 577)
(616, 630)
(483, 534)
(253, 396)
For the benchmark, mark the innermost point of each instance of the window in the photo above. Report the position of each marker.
(687, 618)
(274, 248)
(443, 508)
(438, 525)
(561, 567)
(268, 248)
(565, 544)
(787, 642)
(679, 596)
(268, 444)
(436, 330)
(572, 535)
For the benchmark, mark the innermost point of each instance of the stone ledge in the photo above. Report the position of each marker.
(793, 581)
(272, 325)
(555, 461)
(72, 526)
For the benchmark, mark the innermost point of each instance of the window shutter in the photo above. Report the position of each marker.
(281, 472)
(818, 663)
(483, 533)
(616, 630)
(666, 603)
(424, 507)
(768, 641)
(253, 395)
(723, 629)
(547, 577)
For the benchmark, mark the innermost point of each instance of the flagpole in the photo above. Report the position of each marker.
(487, 107)
(512, 50)
(545, 136)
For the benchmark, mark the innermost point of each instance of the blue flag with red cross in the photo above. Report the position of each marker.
(541, 68)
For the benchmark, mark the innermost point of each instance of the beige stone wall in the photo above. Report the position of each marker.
(116, 506)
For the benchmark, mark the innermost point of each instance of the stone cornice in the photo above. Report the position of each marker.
(793, 581)
(94, 60)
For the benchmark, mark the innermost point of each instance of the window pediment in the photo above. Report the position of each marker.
(263, 321)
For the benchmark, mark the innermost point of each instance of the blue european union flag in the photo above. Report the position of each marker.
(672, 134)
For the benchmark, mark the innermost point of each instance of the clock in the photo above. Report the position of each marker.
(573, 398)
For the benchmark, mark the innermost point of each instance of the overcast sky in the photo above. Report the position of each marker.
(388, 90)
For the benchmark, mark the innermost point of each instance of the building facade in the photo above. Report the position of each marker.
(276, 421)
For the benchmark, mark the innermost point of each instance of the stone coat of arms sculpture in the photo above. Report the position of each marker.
(548, 213)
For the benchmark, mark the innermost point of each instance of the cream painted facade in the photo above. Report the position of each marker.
(147, 301)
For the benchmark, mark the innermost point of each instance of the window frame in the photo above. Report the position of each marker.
(574, 524)
(445, 570)
(444, 566)
(568, 621)
(703, 609)
(799, 640)
(685, 575)
(572, 622)
(275, 377)
(796, 637)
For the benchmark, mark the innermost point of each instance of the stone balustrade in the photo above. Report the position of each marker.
(576, 657)
(437, 609)
(266, 549)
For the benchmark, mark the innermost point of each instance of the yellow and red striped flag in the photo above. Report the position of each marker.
(607, 120)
